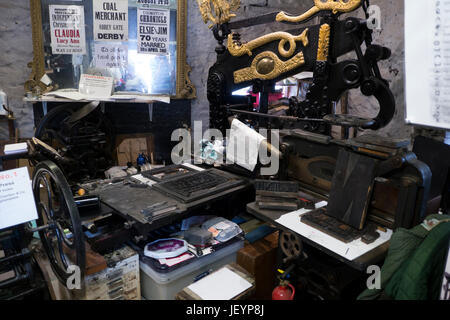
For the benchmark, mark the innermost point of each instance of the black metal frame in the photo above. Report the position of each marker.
(58, 213)
(331, 78)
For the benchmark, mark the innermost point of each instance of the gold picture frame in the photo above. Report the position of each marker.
(184, 87)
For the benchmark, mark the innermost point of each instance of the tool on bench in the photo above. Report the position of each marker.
(158, 210)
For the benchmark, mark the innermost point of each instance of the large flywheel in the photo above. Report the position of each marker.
(59, 221)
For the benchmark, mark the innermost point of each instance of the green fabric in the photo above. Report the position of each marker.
(402, 246)
(420, 277)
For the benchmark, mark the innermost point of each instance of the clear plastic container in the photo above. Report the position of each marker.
(164, 286)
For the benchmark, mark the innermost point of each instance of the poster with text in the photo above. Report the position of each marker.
(146, 3)
(67, 29)
(110, 20)
(16, 198)
(427, 63)
(110, 55)
(153, 31)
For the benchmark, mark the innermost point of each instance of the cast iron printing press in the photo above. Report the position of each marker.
(369, 181)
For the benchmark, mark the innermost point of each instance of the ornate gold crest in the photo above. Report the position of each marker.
(335, 6)
(218, 11)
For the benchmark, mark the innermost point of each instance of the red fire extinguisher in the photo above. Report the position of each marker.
(285, 291)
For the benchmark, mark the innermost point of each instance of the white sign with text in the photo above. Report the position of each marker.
(427, 63)
(110, 56)
(153, 31)
(93, 87)
(110, 20)
(16, 198)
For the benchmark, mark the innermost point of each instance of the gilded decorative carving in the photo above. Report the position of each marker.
(324, 42)
(218, 11)
(237, 49)
(34, 82)
(279, 67)
(339, 6)
(185, 88)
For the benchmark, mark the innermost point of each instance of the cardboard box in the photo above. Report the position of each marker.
(130, 146)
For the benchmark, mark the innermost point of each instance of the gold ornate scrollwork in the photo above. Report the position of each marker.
(218, 11)
(188, 89)
(340, 6)
(324, 43)
(237, 49)
(267, 66)
(185, 88)
(34, 83)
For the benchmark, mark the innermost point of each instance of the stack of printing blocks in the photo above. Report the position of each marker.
(277, 195)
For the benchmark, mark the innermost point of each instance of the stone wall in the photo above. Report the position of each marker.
(17, 52)
(15, 40)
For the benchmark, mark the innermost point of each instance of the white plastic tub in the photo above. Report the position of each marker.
(164, 286)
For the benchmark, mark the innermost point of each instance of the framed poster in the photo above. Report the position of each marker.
(141, 44)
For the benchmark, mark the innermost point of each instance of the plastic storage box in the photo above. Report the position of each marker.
(164, 286)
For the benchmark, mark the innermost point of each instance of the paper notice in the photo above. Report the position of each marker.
(110, 56)
(153, 2)
(67, 29)
(16, 198)
(93, 86)
(46, 80)
(110, 20)
(243, 146)
(153, 31)
(223, 284)
(427, 62)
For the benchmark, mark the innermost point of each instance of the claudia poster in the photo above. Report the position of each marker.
(67, 29)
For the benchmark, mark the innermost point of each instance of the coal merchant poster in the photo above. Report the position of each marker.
(110, 20)
(153, 31)
(67, 29)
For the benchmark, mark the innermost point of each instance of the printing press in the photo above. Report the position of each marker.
(353, 187)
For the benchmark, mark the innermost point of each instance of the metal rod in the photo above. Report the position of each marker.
(286, 118)
(44, 227)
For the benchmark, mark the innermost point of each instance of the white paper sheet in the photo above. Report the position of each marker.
(110, 55)
(427, 62)
(68, 94)
(349, 251)
(16, 198)
(141, 178)
(73, 94)
(243, 145)
(94, 86)
(223, 284)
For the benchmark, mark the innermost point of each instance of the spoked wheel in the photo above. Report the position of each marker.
(59, 221)
(291, 245)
